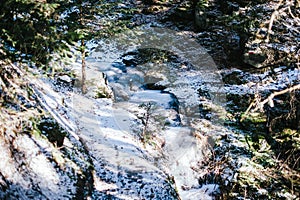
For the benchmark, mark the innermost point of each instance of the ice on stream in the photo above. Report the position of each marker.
(123, 166)
(110, 128)
(117, 153)
(121, 163)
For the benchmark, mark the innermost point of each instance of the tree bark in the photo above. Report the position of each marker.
(83, 68)
(82, 48)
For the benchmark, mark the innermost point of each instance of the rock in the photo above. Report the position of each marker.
(255, 58)
(154, 86)
(130, 60)
(233, 46)
(238, 32)
(121, 66)
(174, 103)
(149, 2)
(52, 131)
(98, 87)
(172, 118)
(64, 81)
(201, 20)
(32, 168)
(228, 7)
(234, 78)
(182, 15)
(119, 92)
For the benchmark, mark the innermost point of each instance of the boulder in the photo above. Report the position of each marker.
(97, 87)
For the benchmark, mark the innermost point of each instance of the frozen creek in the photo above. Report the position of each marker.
(142, 141)
(149, 138)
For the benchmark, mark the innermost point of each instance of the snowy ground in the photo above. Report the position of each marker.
(167, 165)
(109, 132)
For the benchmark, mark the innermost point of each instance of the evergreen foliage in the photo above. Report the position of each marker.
(28, 30)
(34, 30)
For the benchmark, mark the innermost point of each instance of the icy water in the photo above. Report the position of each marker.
(155, 75)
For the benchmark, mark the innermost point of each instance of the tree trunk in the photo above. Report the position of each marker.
(82, 47)
(83, 66)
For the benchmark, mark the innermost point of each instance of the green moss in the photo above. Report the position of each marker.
(101, 93)
(253, 118)
(202, 4)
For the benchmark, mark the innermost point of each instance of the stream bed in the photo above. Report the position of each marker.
(145, 129)
(160, 120)
(166, 115)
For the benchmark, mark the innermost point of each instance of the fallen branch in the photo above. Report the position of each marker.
(292, 15)
(273, 16)
(271, 97)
